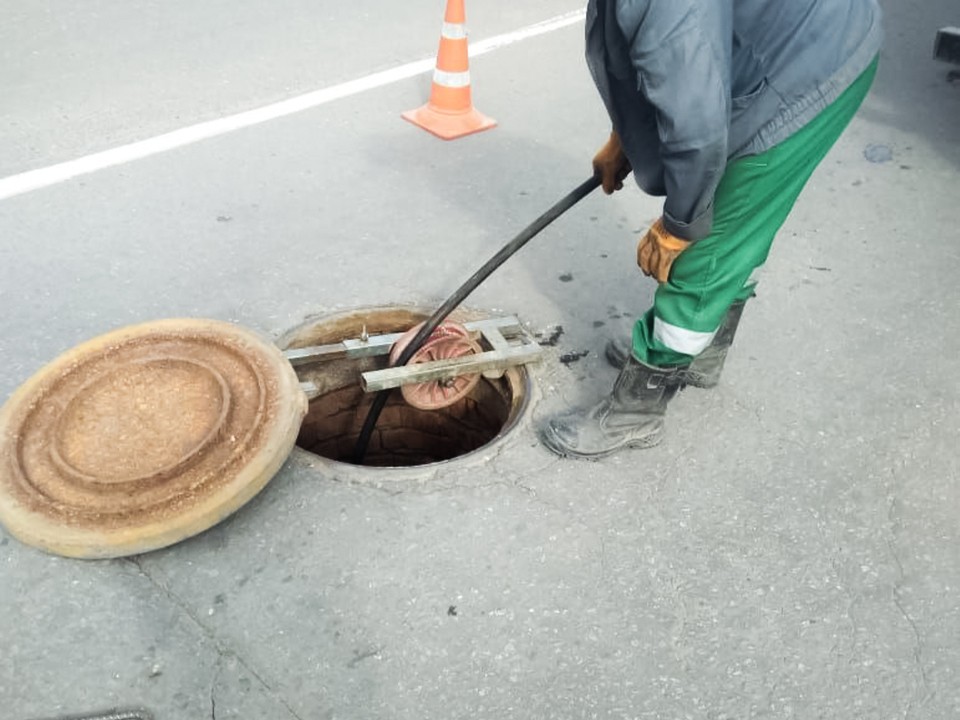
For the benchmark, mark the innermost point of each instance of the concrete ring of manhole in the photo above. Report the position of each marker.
(406, 438)
(145, 436)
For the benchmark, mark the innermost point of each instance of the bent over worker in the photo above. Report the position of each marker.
(725, 108)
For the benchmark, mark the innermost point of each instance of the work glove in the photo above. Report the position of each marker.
(611, 165)
(657, 251)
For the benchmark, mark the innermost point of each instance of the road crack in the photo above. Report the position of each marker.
(893, 528)
(219, 646)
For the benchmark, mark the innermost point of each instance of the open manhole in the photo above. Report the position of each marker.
(150, 434)
(405, 436)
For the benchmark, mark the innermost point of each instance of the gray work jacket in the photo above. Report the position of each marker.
(693, 84)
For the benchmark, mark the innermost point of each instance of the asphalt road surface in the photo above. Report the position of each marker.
(789, 551)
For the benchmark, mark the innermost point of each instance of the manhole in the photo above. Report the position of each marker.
(405, 436)
(150, 434)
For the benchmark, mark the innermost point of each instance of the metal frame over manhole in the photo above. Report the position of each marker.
(343, 359)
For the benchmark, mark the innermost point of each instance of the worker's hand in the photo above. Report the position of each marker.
(611, 165)
(657, 251)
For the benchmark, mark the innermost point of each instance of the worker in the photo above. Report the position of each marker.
(725, 108)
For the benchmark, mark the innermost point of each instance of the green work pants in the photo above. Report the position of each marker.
(752, 202)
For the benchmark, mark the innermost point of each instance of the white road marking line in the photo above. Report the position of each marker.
(61, 172)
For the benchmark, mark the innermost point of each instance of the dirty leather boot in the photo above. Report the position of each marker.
(631, 416)
(704, 371)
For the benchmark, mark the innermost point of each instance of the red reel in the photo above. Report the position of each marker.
(449, 340)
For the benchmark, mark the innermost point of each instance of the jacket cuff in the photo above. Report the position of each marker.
(696, 229)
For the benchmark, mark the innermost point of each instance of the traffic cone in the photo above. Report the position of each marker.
(449, 113)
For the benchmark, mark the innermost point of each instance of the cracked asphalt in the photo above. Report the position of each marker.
(789, 551)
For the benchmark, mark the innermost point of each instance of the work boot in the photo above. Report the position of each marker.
(631, 416)
(704, 371)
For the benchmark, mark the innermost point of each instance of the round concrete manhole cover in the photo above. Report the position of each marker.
(145, 436)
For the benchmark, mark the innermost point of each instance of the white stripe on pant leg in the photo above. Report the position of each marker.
(681, 340)
(451, 79)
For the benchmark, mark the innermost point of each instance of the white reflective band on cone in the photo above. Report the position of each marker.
(678, 339)
(451, 79)
(453, 31)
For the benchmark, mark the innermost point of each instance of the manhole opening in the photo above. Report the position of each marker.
(405, 436)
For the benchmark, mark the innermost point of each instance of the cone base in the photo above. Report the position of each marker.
(449, 126)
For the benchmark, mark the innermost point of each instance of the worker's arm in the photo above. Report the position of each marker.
(680, 50)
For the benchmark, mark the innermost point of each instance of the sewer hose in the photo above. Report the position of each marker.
(431, 324)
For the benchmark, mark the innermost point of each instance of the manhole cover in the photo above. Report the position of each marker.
(405, 436)
(145, 436)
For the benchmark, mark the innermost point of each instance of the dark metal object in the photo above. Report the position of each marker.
(947, 45)
(575, 196)
(111, 715)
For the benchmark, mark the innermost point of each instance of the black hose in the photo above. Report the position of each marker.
(575, 196)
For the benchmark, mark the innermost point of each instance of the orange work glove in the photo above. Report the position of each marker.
(611, 165)
(657, 251)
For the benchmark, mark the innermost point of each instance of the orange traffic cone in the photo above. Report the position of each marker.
(449, 113)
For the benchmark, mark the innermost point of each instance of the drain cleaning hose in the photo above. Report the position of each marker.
(575, 196)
